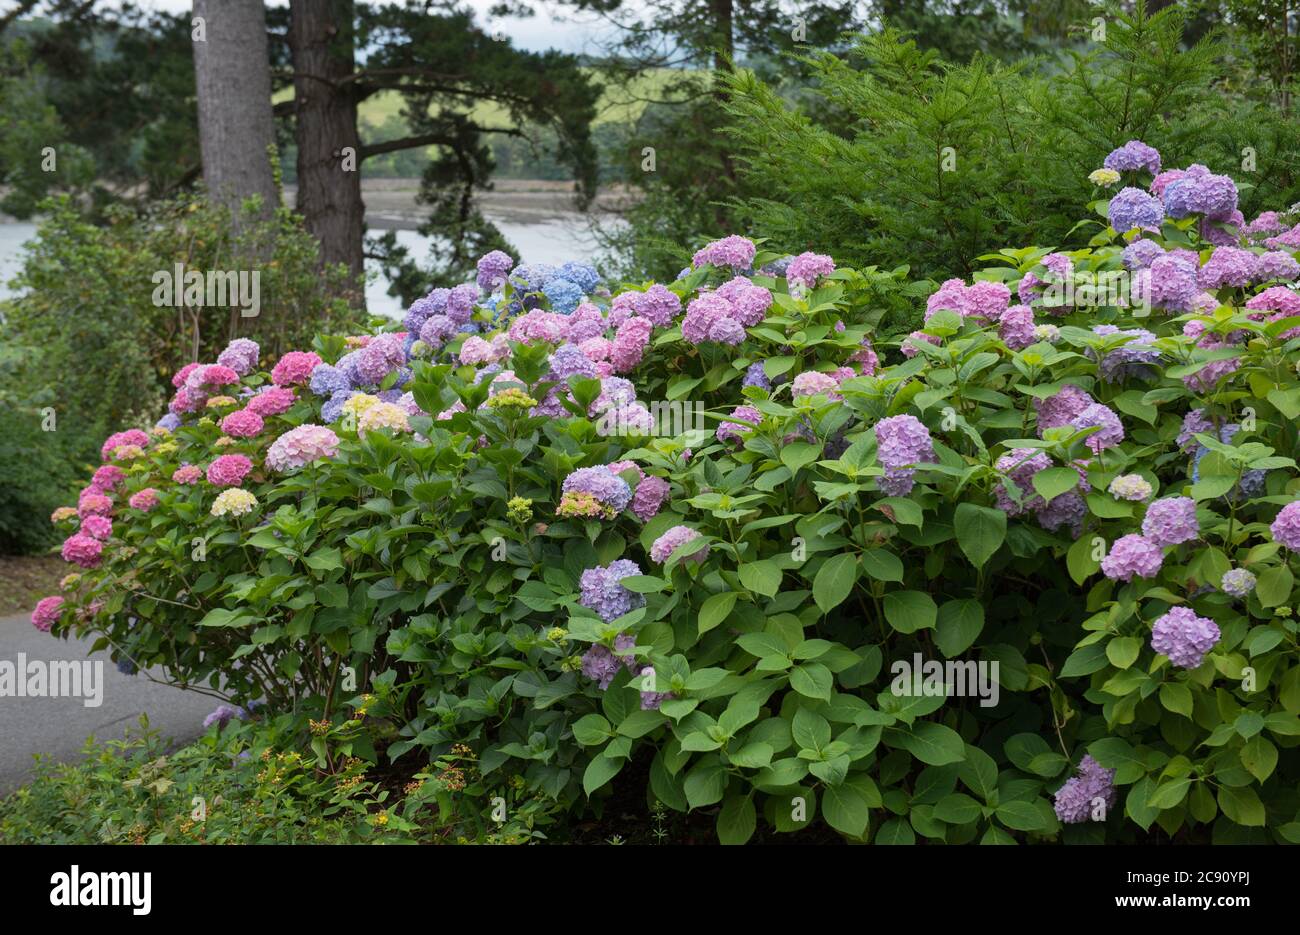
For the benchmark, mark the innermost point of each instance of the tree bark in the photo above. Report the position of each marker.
(322, 44)
(232, 73)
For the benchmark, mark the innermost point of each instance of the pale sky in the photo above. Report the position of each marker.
(552, 27)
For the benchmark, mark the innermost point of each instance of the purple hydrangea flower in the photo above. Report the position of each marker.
(1140, 254)
(568, 360)
(663, 547)
(601, 664)
(606, 487)
(735, 251)
(1132, 207)
(902, 441)
(1228, 266)
(1132, 555)
(223, 715)
(727, 431)
(805, 269)
(603, 592)
(493, 269)
(1199, 191)
(659, 304)
(240, 356)
(1111, 429)
(1134, 359)
(1286, 527)
(755, 375)
(1170, 521)
(1016, 327)
(1277, 264)
(651, 699)
(1081, 794)
(1184, 637)
(1061, 407)
(1133, 156)
(1019, 467)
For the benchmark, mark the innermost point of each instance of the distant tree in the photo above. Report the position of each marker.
(233, 87)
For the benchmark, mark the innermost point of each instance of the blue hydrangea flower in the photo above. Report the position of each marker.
(563, 295)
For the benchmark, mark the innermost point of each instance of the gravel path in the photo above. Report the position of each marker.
(59, 726)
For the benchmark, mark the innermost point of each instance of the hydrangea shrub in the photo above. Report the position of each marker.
(473, 530)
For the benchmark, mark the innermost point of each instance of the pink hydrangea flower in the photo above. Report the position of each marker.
(301, 446)
(649, 498)
(805, 269)
(144, 500)
(47, 613)
(229, 470)
(186, 474)
(668, 543)
(108, 477)
(82, 550)
(1286, 527)
(1132, 555)
(97, 527)
(242, 423)
(272, 401)
(294, 367)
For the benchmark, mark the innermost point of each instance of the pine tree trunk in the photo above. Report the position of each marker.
(232, 73)
(329, 179)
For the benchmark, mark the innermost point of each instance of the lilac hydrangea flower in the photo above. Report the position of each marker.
(240, 356)
(1081, 794)
(1019, 467)
(663, 547)
(729, 431)
(493, 269)
(1132, 555)
(601, 664)
(1136, 358)
(1132, 207)
(651, 699)
(1133, 156)
(902, 441)
(1016, 327)
(603, 592)
(1061, 407)
(659, 304)
(1228, 266)
(1111, 429)
(735, 251)
(755, 375)
(805, 269)
(1170, 521)
(1286, 527)
(1199, 191)
(1184, 637)
(568, 360)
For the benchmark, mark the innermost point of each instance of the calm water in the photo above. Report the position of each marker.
(551, 241)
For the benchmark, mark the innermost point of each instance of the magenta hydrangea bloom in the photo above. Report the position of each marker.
(1184, 637)
(1091, 790)
(107, 477)
(97, 527)
(82, 550)
(47, 613)
(229, 470)
(1132, 555)
(735, 251)
(144, 500)
(805, 269)
(271, 401)
(1286, 527)
(1170, 521)
(669, 542)
(749, 302)
(630, 343)
(135, 437)
(649, 498)
(603, 592)
(294, 367)
(301, 446)
(1111, 429)
(93, 503)
(242, 423)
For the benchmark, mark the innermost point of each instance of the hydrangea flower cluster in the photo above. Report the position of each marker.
(901, 441)
(601, 664)
(676, 537)
(603, 592)
(735, 252)
(593, 493)
(300, 446)
(1184, 637)
(1130, 556)
(1171, 521)
(1091, 790)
